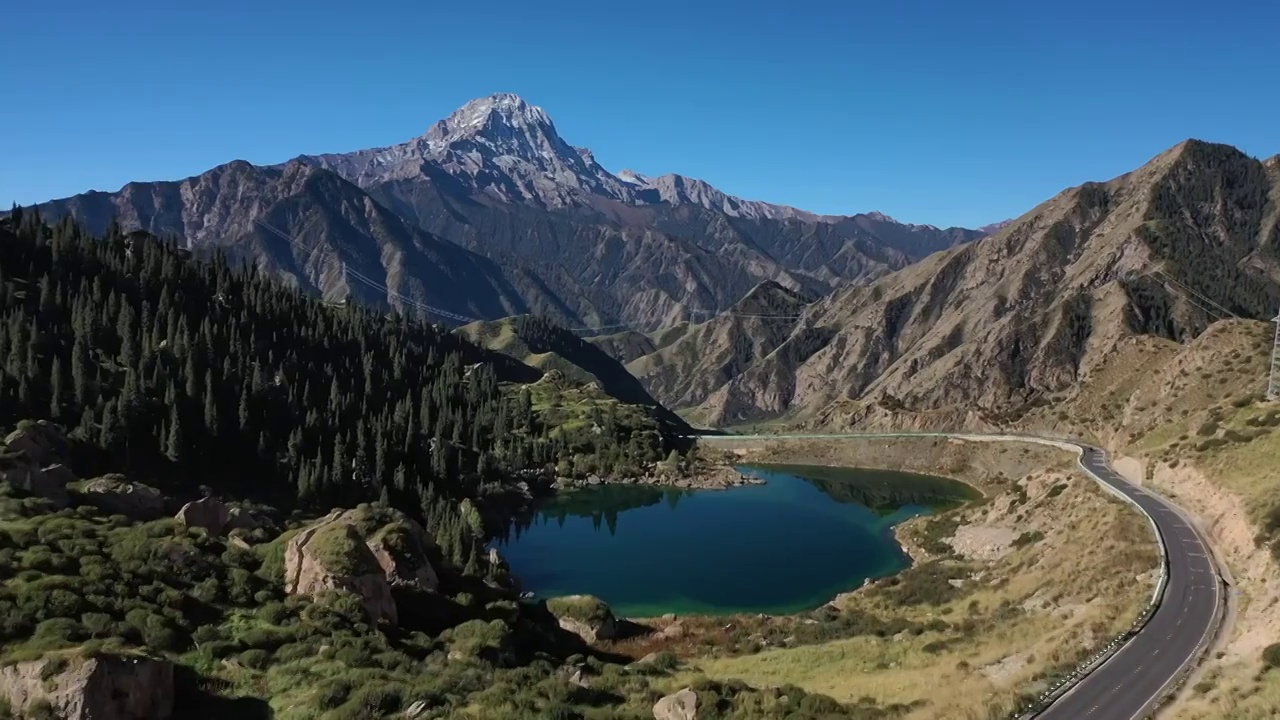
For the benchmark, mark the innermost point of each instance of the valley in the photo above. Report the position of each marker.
(416, 432)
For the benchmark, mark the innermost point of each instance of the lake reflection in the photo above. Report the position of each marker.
(789, 545)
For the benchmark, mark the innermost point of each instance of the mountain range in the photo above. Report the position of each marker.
(973, 335)
(491, 213)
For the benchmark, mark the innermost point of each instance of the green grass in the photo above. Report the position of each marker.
(585, 608)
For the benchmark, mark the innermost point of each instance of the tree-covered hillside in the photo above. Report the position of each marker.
(193, 372)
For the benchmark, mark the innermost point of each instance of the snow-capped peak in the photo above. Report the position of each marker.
(499, 116)
(633, 177)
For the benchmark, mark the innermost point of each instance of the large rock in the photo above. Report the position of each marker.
(49, 483)
(367, 551)
(106, 687)
(28, 461)
(116, 494)
(401, 548)
(586, 616)
(241, 519)
(208, 513)
(682, 705)
(332, 555)
(43, 443)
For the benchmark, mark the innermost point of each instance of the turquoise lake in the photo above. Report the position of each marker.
(791, 544)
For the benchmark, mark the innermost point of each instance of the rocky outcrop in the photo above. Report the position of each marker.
(29, 461)
(332, 556)
(106, 687)
(116, 494)
(365, 552)
(401, 549)
(242, 519)
(586, 616)
(682, 705)
(41, 442)
(208, 513)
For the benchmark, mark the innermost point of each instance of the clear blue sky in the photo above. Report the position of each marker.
(944, 112)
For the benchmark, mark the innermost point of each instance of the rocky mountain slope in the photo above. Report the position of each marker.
(306, 224)
(567, 238)
(1023, 316)
(692, 361)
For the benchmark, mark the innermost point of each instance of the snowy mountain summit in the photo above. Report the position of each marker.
(499, 147)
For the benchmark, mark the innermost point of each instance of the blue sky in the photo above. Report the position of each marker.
(943, 112)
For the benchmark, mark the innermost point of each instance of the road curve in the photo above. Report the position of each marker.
(1132, 682)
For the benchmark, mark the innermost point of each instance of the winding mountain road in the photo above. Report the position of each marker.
(1133, 681)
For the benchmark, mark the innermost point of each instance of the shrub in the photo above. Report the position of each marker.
(1028, 538)
(1271, 656)
(587, 608)
(41, 709)
(255, 658)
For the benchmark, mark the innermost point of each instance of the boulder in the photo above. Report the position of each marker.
(401, 548)
(586, 616)
(673, 631)
(682, 705)
(332, 555)
(34, 481)
(61, 475)
(116, 494)
(241, 519)
(208, 513)
(367, 551)
(105, 687)
(28, 461)
(43, 443)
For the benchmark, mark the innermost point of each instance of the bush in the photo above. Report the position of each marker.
(255, 658)
(1028, 538)
(1271, 656)
(41, 709)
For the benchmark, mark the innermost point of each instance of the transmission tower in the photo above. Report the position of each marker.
(1273, 385)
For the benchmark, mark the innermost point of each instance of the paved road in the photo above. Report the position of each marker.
(1130, 684)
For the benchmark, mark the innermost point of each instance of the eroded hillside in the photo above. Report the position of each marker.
(969, 334)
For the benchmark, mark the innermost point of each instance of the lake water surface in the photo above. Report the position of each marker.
(791, 544)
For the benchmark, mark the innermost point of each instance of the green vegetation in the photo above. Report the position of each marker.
(194, 376)
(925, 584)
(586, 608)
(1271, 656)
(190, 372)
(1030, 537)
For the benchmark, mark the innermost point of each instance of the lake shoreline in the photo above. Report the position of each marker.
(902, 533)
(710, 477)
(878, 492)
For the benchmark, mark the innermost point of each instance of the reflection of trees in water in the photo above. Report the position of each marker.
(883, 491)
(602, 504)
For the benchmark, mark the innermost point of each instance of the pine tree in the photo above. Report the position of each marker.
(56, 390)
(174, 445)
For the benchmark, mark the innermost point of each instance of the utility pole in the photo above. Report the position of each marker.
(1273, 385)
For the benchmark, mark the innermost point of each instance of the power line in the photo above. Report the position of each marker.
(1194, 292)
(388, 292)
